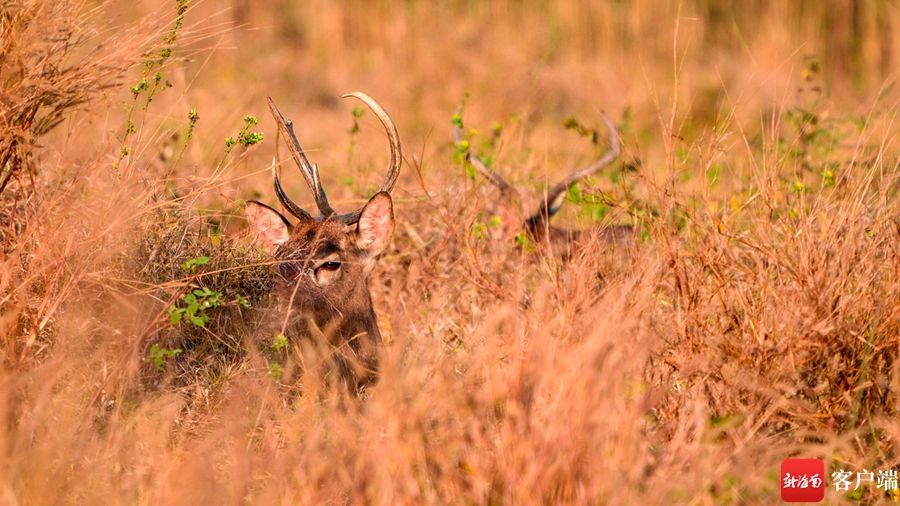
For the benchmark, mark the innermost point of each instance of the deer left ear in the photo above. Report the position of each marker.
(376, 224)
(270, 226)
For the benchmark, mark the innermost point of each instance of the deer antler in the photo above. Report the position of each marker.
(553, 201)
(396, 155)
(311, 172)
(286, 201)
(507, 191)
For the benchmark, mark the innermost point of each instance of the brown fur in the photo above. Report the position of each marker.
(557, 241)
(564, 242)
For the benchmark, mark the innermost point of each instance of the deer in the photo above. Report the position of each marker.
(536, 226)
(323, 262)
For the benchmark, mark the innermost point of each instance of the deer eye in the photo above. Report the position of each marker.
(329, 266)
(328, 270)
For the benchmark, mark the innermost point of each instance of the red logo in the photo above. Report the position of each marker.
(802, 480)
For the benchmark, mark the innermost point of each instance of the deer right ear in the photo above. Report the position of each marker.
(376, 224)
(270, 226)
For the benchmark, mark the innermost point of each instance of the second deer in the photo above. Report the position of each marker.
(536, 226)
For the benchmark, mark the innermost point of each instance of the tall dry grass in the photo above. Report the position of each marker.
(755, 318)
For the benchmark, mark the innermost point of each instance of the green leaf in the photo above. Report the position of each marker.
(470, 171)
(276, 371)
(158, 355)
(175, 315)
(574, 195)
(279, 343)
(524, 242)
(193, 263)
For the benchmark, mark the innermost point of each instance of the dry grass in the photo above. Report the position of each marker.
(755, 319)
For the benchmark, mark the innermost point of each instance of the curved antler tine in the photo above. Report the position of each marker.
(506, 190)
(396, 155)
(310, 171)
(553, 201)
(393, 138)
(286, 201)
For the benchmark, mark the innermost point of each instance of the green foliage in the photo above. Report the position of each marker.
(713, 172)
(525, 243)
(354, 130)
(592, 207)
(194, 306)
(461, 153)
(496, 130)
(814, 140)
(245, 137)
(814, 144)
(463, 146)
(140, 87)
(855, 495)
(480, 229)
(827, 177)
(190, 265)
(158, 355)
(276, 371)
(152, 66)
(627, 122)
(571, 123)
(357, 113)
(279, 343)
(193, 118)
(279, 346)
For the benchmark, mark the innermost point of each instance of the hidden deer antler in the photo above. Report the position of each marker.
(552, 202)
(507, 191)
(537, 224)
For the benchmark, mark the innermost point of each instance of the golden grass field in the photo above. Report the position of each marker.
(754, 318)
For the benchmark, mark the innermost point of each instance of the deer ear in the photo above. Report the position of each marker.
(270, 226)
(376, 224)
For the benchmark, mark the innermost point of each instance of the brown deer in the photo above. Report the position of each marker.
(537, 226)
(324, 261)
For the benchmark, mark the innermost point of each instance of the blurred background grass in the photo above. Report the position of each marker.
(527, 65)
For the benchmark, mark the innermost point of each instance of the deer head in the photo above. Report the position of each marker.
(537, 224)
(324, 261)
